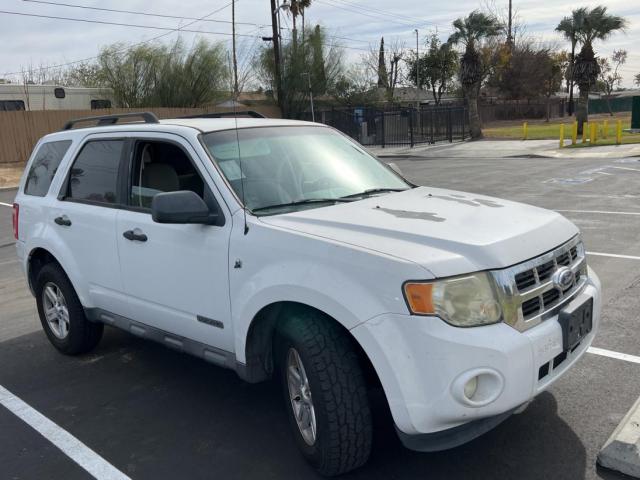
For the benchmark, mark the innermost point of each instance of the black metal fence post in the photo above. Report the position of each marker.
(411, 128)
(449, 126)
(383, 133)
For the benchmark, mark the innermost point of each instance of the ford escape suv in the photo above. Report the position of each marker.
(282, 249)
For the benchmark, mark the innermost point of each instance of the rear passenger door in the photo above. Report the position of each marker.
(175, 275)
(84, 219)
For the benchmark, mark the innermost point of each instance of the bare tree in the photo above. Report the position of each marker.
(609, 76)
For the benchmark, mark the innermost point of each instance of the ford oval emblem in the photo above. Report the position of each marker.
(562, 278)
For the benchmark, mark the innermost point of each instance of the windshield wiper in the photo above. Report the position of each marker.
(372, 191)
(303, 202)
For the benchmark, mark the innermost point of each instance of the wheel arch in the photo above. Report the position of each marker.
(38, 258)
(261, 334)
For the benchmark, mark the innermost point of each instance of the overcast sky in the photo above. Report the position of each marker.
(359, 23)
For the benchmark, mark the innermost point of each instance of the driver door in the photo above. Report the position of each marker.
(175, 275)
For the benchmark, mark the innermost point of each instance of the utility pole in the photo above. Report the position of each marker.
(417, 72)
(510, 28)
(313, 114)
(276, 51)
(235, 58)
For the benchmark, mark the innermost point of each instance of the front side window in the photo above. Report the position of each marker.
(277, 169)
(94, 174)
(44, 167)
(161, 167)
(11, 105)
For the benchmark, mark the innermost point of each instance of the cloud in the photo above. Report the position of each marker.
(37, 41)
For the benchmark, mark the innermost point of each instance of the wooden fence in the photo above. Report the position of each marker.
(19, 131)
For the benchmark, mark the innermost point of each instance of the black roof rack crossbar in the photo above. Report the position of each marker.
(102, 120)
(242, 113)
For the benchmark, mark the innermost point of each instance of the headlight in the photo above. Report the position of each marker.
(465, 301)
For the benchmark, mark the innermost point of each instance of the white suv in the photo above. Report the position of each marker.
(283, 249)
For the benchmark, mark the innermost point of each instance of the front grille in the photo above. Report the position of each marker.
(531, 291)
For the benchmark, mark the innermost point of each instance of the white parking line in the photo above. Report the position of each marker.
(599, 211)
(6, 204)
(613, 255)
(612, 354)
(70, 445)
(627, 168)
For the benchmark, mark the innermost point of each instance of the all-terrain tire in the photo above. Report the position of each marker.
(338, 390)
(82, 335)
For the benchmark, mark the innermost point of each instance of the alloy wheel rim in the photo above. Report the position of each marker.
(55, 310)
(300, 396)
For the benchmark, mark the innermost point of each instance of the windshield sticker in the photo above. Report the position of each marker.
(432, 217)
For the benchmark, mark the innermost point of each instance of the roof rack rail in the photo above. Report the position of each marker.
(242, 113)
(102, 120)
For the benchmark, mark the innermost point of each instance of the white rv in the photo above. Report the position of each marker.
(15, 96)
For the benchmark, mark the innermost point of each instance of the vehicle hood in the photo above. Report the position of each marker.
(445, 231)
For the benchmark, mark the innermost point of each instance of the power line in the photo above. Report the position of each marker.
(132, 12)
(379, 15)
(119, 24)
(131, 25)
(67, 64)
(386, 13)
(160, 15)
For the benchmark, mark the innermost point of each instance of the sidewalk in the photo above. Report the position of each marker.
(505, 149)
(10, 175)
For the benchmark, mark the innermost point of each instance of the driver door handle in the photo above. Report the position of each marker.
(63, 220)
(133, 236)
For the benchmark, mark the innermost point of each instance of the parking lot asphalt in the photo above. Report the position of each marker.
(155, 414)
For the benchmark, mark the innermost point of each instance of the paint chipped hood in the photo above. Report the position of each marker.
(445, 231)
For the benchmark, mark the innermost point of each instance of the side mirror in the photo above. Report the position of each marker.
(183, 206)
(395, 168)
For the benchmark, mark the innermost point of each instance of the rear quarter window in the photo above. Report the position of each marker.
(44, 167)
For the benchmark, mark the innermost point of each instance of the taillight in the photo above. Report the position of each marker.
(14, 219)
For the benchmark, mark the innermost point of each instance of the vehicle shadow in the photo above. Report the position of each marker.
(155, 414)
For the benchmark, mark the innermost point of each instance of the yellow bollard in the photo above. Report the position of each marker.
(618, 132)
(525, 131)
(574, 133)
(605, 130)
(585, 129)
(592, 134)
(562, 135)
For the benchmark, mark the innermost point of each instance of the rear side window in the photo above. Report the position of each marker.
(94, 174)
(44, 167)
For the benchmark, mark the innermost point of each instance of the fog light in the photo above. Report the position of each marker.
(471, 387)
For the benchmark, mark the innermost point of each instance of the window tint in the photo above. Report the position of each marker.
(44, 167)
(94, 175)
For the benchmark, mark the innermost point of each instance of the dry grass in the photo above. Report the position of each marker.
(541, 130)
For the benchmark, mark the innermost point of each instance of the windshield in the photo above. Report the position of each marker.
(290, 168)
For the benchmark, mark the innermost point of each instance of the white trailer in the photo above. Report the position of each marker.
(16, 96)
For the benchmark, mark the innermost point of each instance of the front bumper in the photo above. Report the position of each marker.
(421, 362)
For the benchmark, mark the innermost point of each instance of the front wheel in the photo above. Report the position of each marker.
(325, 393)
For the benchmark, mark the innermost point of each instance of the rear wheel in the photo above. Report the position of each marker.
(325, 393)
(62, 315)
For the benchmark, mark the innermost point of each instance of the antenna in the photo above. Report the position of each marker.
(235, 117)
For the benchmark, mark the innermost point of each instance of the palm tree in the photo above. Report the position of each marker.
(569, 27)
(597, 25)
(297, 8)
(470, 31)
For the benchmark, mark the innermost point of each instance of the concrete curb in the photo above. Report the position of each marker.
(622, 451)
